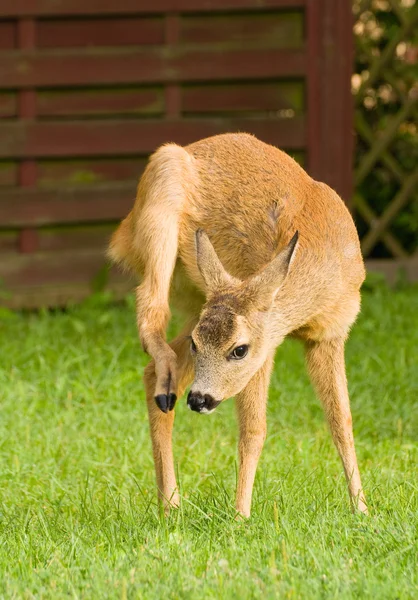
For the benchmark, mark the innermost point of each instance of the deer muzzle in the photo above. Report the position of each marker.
(201, 403)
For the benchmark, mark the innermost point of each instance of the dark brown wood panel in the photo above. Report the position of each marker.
(22, 207)
(98, 102)
(80, 138)
(330, 105)
(274, 29)
(46, 268)
(8, 105)
(127, 65)
(24, 8)
(74, 237)
(63, 294)
(244, 97)
(8, 34)
(8, 173)
(129, 31)
(8, 241)
(88, 171)
(395, 270)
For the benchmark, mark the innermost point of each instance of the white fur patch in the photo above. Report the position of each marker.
(350, 250)
(206, 411)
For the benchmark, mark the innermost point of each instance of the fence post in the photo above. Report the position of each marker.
(330, 105)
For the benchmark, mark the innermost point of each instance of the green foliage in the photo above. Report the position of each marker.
(78, 513)
(378, 25)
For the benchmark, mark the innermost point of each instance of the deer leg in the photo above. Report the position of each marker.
(152, 317)
(326, 366)
(161, 423)
(251, 406)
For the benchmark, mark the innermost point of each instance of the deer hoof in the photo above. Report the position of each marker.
(165, 402)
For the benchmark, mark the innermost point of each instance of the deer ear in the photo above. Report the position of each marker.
(267, 283)
(210, 267)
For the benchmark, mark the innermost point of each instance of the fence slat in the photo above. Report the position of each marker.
(7, 35)
(71, 33)
(59, 239)
(195, 98)
(62, 294)
(279, 29)
(394, 269)
(108, 137)
(126, 65)
(93, 102)
(46, 268)
(21, 207)
(243, 97)
(8, 173)
(88, 171)
(8, 105)
(8, 241)
(22, 8)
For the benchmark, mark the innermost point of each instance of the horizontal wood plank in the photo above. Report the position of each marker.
(22, 8)
(213, 98)
(9, 242)
(127, 65)
(31, 139)
(8, 35)
(48, 296)
(8, 174)
(243, 97)
(279, 29)
(46, 268)
(87, 171)
(94, 102)
(395, 269)
(71, 33)
(22, 207)
(8, 105)
(60, 239)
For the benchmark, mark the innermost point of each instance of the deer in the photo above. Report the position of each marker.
(234, 233)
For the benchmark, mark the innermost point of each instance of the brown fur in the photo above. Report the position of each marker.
(245, 199)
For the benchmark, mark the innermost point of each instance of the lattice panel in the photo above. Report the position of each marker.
(386, 99)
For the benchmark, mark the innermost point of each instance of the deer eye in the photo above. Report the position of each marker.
(193, 346)
(239, 352)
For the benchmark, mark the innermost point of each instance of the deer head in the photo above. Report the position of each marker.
(233, 337)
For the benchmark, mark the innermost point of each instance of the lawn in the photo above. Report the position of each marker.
(78, 516)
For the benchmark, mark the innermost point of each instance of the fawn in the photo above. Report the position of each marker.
(236, 234)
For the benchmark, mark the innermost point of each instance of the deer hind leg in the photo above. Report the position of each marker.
(156, 240)
(152, 320)
(325, 361)
(161, 423)
(251, 406)
(160, 244)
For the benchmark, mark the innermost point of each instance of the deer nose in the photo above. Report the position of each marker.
(201, 403)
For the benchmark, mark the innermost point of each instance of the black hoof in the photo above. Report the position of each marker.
(162, 402)
(165, 403)
(172, 401)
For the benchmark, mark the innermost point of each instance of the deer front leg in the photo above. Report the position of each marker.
(161, 423)
(326, 366)
(251, 408)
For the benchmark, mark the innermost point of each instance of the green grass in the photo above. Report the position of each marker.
(78, 512)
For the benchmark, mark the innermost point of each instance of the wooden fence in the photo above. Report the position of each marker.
(89, 88)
